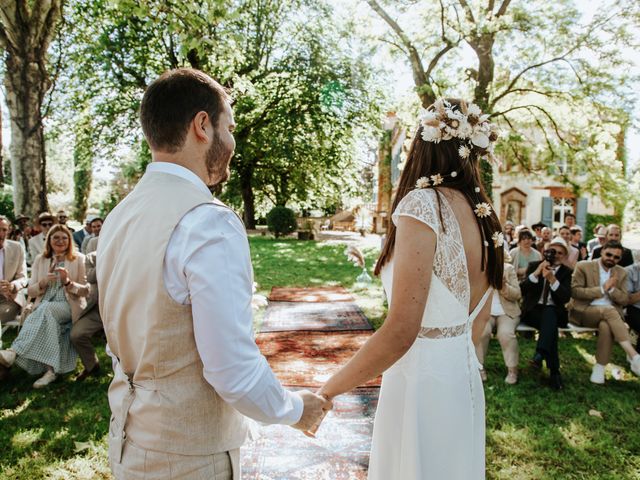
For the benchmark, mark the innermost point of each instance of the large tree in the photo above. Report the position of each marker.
(27, 28)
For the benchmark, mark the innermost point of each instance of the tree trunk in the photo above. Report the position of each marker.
(26, 33)
(82, 171)
(1, 156)
(248, 199)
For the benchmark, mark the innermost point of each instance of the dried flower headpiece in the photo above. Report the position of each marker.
(444, 121)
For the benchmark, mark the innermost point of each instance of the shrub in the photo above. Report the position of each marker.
(281, 221)
(593, 220)
(6, 203)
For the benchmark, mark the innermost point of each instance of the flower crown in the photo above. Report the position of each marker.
(443, 121)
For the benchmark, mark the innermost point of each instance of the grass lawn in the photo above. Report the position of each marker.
(532, 432)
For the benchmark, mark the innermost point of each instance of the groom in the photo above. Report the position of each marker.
(175, 287)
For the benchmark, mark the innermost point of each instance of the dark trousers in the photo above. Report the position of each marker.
(545, 319)
(633, 319)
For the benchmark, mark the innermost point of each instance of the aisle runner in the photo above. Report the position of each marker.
(306, 359)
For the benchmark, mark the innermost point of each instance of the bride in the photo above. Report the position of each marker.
(442, 257)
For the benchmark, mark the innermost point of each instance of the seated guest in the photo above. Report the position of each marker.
(509, 228)
(505, 316)
(36, 243)
(89, 323)
(63, 218)
(78, 236)
(599, 234)
(572, 258)
(577, 243)
(545, 237)
(598, 294)
(537, 232)
(570, 220)
(58, 282)
(545, 291)
(614, 233)
(22, 233)
(524, 253)
(94, 227)
(13, 276)
(633, 302)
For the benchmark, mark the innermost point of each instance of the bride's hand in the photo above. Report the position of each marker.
(315, 408)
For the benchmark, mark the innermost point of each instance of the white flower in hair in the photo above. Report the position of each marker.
(422, 182)
(431, 134)
(480, 139)
(498, 239)
(482, 210)
(437, 179)
(474, 109)
(465, 130)
(464, 152)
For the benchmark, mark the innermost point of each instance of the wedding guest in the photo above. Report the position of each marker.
(570, 220)
(36, 243)
(614, 234)
(545, 237)
(572, 258)
(577, 243)
(599, 234)
(63, 218)
(545, 290)
(21, 233)
(598, 295)
(508, 229)
(90, 242)
(13, 276)
(89, 323)
(57, 283)
(537, 231)
(78, 236)
(524, 253)
(505, 316)
(633, 303)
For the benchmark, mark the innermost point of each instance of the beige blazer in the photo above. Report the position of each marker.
(90, 268)
(510, 295)
(75, 292)
(36, 245)
(91, 245)
(15, 269)
(585, 286)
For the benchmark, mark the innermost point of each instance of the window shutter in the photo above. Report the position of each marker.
(581, 212)
(547, 211)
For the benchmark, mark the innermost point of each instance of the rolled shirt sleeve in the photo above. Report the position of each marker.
(208, 264)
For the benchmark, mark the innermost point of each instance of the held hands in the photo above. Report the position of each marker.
(6, 289)
(315, 408)
(609, 284)
(59, 273)
(542, 267)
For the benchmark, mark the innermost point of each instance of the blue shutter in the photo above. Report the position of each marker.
(547, 211)
(581, 212)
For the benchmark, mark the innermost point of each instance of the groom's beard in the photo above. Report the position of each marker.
(217, 162)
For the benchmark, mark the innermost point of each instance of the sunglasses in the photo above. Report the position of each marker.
(46, 224)
(611, 255)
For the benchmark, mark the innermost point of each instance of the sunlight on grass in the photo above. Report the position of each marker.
(26, 438)
(92, 465)
(577, 435)
(12, 412)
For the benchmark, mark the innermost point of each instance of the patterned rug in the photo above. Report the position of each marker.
(310, 294)
(308, 359)
(340, 450)
(282, 316)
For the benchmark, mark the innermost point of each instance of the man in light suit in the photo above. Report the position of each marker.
(88, 324)
(598, 294)
(13, 275)
(78, 236)
(36, 243)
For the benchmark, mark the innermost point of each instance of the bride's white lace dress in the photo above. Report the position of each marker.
(430, 419)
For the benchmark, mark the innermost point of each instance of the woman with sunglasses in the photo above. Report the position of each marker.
(59, 285)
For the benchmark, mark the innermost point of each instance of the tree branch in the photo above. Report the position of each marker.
(467, 11)
(503, 8)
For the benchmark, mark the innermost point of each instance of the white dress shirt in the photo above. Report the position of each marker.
(207, 264)
(605, 300)
(553, 287)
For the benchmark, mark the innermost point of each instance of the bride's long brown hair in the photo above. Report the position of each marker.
(429, 158)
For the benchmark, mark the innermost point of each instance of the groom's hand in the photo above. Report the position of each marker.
(314, 407)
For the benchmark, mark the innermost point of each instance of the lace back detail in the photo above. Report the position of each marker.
(443, 332)
(450, 262)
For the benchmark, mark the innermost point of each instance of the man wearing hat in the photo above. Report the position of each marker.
(546, 290)
(36, 244)
(599, 232)
(63, 218)
(537, 230)
(614, 233)
(78, 236)
(599, 293)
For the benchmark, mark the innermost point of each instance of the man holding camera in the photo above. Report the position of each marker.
(546, 290)
(599, 293)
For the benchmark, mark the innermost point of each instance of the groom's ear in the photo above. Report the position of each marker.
(201, 126)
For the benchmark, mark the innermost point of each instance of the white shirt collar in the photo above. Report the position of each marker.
(602, 270)
(179, 171)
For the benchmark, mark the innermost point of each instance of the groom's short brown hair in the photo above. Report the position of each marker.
(170, 103)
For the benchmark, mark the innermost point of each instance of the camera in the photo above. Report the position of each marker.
(549, 255)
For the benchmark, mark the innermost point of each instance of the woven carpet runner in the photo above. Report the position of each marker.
(307, 336)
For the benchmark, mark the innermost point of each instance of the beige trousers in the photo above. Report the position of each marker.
(610, 326)
(506, 333)
(9, 310)
(140, 464)
(81, 332)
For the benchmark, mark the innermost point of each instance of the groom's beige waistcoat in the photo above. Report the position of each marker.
(158, 397)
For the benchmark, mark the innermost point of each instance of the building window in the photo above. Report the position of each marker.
(561, 207)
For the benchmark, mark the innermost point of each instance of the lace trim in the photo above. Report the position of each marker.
(443, 332)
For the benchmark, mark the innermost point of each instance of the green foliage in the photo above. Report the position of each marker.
(281, 221)
(82, 168)
(6, 203)
(593, 220)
